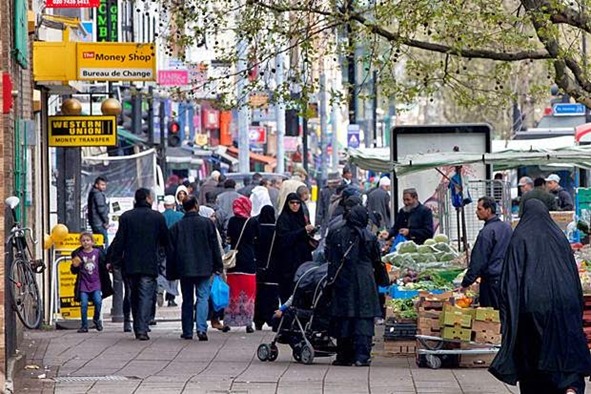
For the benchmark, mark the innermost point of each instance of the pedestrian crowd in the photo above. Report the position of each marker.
(257, 237)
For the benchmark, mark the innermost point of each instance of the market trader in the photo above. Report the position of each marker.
(486, 260)
(563, 198)
(414, 220)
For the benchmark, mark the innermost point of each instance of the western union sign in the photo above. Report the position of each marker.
(113, 61)
(77, 131)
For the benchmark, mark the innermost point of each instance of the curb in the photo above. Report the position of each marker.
(14, 364)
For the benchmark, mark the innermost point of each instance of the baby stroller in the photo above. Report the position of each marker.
(304, 324)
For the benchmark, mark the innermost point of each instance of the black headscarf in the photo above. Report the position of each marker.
(267, 215)
(541, 304)
(289, 220)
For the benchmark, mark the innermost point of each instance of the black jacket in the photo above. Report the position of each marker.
(378, 201)
(489, 251)
(142, 231)
(354, 292)
(98, 209)
(196, 251)
(266, 252)
(105, 278)
(246, 259)
(419, 221)
(563, 199)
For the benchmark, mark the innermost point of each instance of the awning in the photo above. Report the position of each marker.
(129, 137)
(180, 159)
(268, 160)
(583, 133)
(579, 156)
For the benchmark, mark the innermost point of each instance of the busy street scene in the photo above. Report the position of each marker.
(279, 196)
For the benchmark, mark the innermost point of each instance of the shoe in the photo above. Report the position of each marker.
(249, 329)
(142, 337)
(202, 335)
(342, 363)
(183, 336)
(172, 303)
(98, 325)
(152, 322)
(215, 323)
(127, 326)
(82, 330)
(379, 321)
(160, 300)
(258, 327)
(362, 363)
(226, 328)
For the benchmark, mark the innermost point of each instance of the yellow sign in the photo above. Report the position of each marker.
(113, 61)
(73, 131)
(201, 139)
(69, 309)
(72, 242)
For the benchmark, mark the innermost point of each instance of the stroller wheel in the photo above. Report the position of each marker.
(433, 361)
(296, 353)
(307, 354)
(264, 352)
(274, 352)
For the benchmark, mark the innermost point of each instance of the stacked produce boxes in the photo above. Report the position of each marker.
(587, 318)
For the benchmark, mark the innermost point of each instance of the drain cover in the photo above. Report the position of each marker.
(73, 379)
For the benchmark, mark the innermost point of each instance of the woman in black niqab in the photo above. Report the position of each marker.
(267, 297)
(292, 247)
(544, 347)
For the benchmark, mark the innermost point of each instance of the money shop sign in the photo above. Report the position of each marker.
(112, 61)
(77, 131)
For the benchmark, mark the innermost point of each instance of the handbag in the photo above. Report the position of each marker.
(220, 293)
(229, 258)
(313, 243)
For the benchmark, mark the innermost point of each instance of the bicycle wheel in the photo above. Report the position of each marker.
(26, 299)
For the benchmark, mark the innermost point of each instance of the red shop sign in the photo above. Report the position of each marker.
(210, 118)
(72, 3)
(6, 93)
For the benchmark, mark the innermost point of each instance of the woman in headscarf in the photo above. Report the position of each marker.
(259, 198)
(267, 300)
(353, 253)
(242, 233)
(544, 346)
(180, 196)
(293, 247)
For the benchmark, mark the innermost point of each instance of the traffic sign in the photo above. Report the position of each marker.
(353, 132)
(569, 109)
(257, 135)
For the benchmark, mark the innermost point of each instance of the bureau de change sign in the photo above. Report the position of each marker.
(114, 61)
(77, 131)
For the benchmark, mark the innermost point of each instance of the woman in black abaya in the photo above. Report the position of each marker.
(293, 247)
(544, 347)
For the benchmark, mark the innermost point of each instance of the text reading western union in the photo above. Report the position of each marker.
(77, 131)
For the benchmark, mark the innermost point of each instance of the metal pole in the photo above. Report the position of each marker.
(374, 110)
(335, 115)
(280, 113)
(351, 78)
(243, 144)
(151, 116)
(161, 118)
(323, 128)
(305, 139)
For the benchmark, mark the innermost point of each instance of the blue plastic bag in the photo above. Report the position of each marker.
(399, 238)
(220, 293)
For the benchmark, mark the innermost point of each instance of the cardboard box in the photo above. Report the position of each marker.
(562, 218)
(476, 360)
(487, 314)
(424, 323)
(454, 316)
(487, 326)
(462, 334)
(487, 337)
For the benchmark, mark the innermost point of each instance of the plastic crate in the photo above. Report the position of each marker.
(397, 292)
(400, 331)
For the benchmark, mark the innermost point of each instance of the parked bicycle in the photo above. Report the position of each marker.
(24, 292)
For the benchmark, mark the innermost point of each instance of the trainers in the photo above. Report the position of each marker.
(83, 329)
(160, 300)
(172, 303)
(202, 335)
(186, 336)
(127, 326)
(98, 325)
(249, 329)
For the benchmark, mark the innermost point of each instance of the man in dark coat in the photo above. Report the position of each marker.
(142, 231)
(195, 258)
(414, 220)
(563, 198)
(352, 253)
(544, 346)
(537, 190)
(486, 260)
(323, 203)
(98, 209)
(378, 202)
(209, 185)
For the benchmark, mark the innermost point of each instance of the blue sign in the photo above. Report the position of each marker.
(353, 136)
(568, 109)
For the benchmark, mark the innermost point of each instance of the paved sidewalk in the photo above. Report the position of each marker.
(113, 362)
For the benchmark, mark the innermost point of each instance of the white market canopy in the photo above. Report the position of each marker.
(549, 151)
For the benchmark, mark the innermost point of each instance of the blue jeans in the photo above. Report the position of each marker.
(103, 231)
(190, 288)
(96, 297)
(142, 295)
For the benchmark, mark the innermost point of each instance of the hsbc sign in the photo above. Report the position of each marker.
(257, 135)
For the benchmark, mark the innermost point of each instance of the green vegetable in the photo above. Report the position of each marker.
(430, 242)
(424, 249)
(443, 247)
(441, 238)
(407, 247)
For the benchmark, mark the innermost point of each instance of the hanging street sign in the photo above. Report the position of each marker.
(353, 131)
(78, 131)
(72, 3)
(114, 61)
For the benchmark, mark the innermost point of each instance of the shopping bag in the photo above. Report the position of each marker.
(220, 293)
(399, 238)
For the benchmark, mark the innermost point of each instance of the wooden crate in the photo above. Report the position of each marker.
(400, 348)
(490, 327)
(487, 337)
(476, 360)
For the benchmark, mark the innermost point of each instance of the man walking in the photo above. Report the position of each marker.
(486, 260)
(98, 209)
(196, 257)
(142, 231)
(170, 286)
(378, 202)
